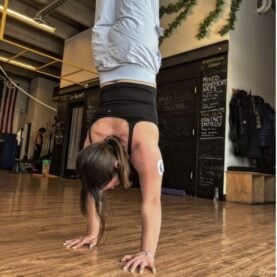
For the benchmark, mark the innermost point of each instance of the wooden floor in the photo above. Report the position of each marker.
(198, 238)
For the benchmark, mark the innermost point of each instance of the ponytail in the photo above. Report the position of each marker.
(96, 165)
(123, 168)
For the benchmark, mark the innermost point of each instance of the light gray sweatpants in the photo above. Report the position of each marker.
(126, 40)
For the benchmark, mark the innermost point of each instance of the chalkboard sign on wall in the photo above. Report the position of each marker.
(212, 126)
(212, 123)
(214, 85)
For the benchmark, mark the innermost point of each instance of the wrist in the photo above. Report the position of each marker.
(91, 232)
(147, 254)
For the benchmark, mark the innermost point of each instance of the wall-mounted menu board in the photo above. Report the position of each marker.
(212, 125)
(214, 83)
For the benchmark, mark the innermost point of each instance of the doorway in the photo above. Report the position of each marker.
(177, 104)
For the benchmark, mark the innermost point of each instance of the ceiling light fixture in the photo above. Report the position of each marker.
(20, 64)
(28, 20)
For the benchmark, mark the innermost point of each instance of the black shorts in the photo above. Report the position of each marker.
(132, 102)
(128, 101)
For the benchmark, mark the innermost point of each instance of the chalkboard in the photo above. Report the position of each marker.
(175, 128)
(175, 104)
(212, 123)
(211, 138)
(211, 173)
(213, 93)
(214, 83)
(211, 148)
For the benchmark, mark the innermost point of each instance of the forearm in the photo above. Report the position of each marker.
(151, 225)
(93, 221)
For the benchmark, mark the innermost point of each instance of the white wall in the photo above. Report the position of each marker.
(251, 62)
(183, 38)
(78, 51)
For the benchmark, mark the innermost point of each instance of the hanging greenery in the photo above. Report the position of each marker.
(203, 27)
(173, 8)
(232, 18)
(184, 6)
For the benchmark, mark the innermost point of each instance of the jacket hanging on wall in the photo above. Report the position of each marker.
(252, 128)
(242, 122)
(266, 134)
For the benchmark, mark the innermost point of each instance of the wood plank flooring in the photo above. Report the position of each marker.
(198, 237)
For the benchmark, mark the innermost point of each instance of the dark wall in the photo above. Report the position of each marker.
(212, 125)
(195, 160)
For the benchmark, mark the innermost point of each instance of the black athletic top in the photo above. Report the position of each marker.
(128, 101)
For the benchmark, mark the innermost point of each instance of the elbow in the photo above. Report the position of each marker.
(152, 202)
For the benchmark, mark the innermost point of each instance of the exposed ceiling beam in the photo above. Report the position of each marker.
(63, 30)
(13, 50)
(49, 69)
(34, 37)
(75, 11)
(23, 73)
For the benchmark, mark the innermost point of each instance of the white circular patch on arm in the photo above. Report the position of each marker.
(160, 167)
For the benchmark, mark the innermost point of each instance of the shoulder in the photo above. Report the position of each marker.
(145, 135)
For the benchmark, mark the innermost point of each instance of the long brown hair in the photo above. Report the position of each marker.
(96, 165)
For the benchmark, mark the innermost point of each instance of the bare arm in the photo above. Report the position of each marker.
(145, 158)
(93, 221)
(93, 225)
(151, 224)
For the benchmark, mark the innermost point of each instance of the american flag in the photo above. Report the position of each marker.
(7, 106)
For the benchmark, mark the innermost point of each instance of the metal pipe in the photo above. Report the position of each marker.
(48, 56)
(4, 18)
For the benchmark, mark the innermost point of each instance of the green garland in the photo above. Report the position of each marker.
(232, 18)
(173, 8)
(186, 5)
(203, 27)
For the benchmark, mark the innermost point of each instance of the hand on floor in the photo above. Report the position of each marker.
(89, 240)
(138, 262)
